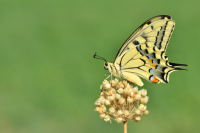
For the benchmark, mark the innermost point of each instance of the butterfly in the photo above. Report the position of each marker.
(143, 53)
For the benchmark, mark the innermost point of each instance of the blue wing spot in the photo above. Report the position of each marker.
(148, 56)
(153, 61)
(151, 70)
(138, 49)
(157, 67)
(142, 53)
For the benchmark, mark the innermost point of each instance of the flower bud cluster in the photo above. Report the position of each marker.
(121, 102)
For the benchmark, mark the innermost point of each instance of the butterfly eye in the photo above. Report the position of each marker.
(106, 64)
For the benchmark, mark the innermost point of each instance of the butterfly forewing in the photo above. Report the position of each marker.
(143, 26)
(155, 34)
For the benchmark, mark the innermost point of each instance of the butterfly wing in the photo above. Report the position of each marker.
(143, 53)
(151, 23)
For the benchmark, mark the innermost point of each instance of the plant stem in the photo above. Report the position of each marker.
(125, 126)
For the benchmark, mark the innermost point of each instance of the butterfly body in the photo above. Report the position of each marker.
(117, 72)
(113, 69)
(143, 53)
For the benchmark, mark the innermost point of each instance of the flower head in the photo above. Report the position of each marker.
(121, 101)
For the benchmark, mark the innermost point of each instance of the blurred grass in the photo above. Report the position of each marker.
(49, 80)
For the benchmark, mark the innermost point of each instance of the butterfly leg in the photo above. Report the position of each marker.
(108, 76)
(111, 79)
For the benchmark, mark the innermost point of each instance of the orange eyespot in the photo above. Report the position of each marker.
(154, 66)
(153, 79)
(150, 61)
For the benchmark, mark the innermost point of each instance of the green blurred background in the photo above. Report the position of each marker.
(49, 79)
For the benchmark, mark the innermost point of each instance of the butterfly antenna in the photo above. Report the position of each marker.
(98, 57)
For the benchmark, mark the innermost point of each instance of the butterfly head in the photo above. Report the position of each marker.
(106, 64)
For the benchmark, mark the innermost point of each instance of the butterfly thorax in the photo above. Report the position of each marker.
(113, 69)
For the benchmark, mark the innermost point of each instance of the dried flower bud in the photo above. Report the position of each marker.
(141, 114)
(102, 115)
(107, 102)
(101, 101)
(111, 98)
(125, 83)
(117, 96)
(132, 94)
(102, 96)
(121, 85)
(126, 113)
(128, 86)
(137, 118)
(120, 90)
(116, 80)
(113, 82)
(103, 108)
(113, 91)
(112, 110)
(119, 120)
(144, 100)
(130, 100)
(105, 82)
(137, 97)
(146, 112)
(143, 92)
(119, 112)
(100, 110)
(108, 93)
(142, 107)
(107, 118)
(137, 112)
(102, 93)
(121, 101)
(98, 102)
(97, 109)
(135, 90)
(108, 86)
(127, 90)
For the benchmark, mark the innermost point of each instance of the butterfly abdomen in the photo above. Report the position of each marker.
(117, 72)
